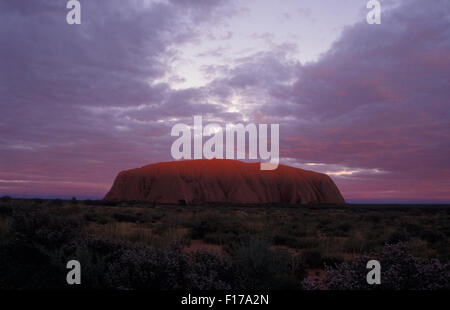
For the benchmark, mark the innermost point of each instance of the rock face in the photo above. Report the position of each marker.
(222, 180)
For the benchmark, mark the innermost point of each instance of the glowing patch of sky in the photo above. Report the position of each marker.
(259, 25)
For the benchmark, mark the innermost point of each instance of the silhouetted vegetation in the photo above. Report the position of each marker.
(401, 271)
(145, 246)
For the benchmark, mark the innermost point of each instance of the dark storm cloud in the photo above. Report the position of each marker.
(73, 97)
(378, 99)
(79, 103)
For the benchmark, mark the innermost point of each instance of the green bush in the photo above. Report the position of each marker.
(97, 218)
(260, 268)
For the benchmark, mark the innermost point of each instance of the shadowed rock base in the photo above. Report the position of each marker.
(223, 180)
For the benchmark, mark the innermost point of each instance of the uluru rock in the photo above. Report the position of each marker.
(223, 180)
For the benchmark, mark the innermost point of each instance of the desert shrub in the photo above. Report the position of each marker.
(209, 271)
(313, 259)
(5, 210)
(57, 202)
(412, 229)
(294, 241)
(97, 218)
(213, 222)
(442, 249)
(42, 228)
(142, 217)
(432, 236)
(344, 227)
(23, 266)
(95, 256)
(295, 228)
(446, 230)
(117, 264)
(331, 260)
(39, 238)
(257, 267)
(399, 271)
(4, 229)
(161, 229)
(33, 256)
(221, 238)
(37, 201)
(307, 243)
(90, 202)
(311, 284)
(284, 239)
(337, 229)
(324, 223)
(5, 199)
(201, 228)
(125, 217)
(124, 265)
(356, 245)
(140, 266)
(374, 218)
(399, 235)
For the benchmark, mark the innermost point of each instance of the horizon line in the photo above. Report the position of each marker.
(347, 201)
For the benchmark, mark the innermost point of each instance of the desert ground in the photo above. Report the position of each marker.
(136, 245)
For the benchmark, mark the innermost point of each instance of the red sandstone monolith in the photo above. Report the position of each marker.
(223, 181)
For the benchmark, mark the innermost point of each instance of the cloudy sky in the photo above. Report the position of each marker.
(367, 104)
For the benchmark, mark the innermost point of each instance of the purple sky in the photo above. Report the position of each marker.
(367, 104)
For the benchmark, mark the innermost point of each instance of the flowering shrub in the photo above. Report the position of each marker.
(125, 265)
(37, 241)
(400, 270)
(258, 267)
